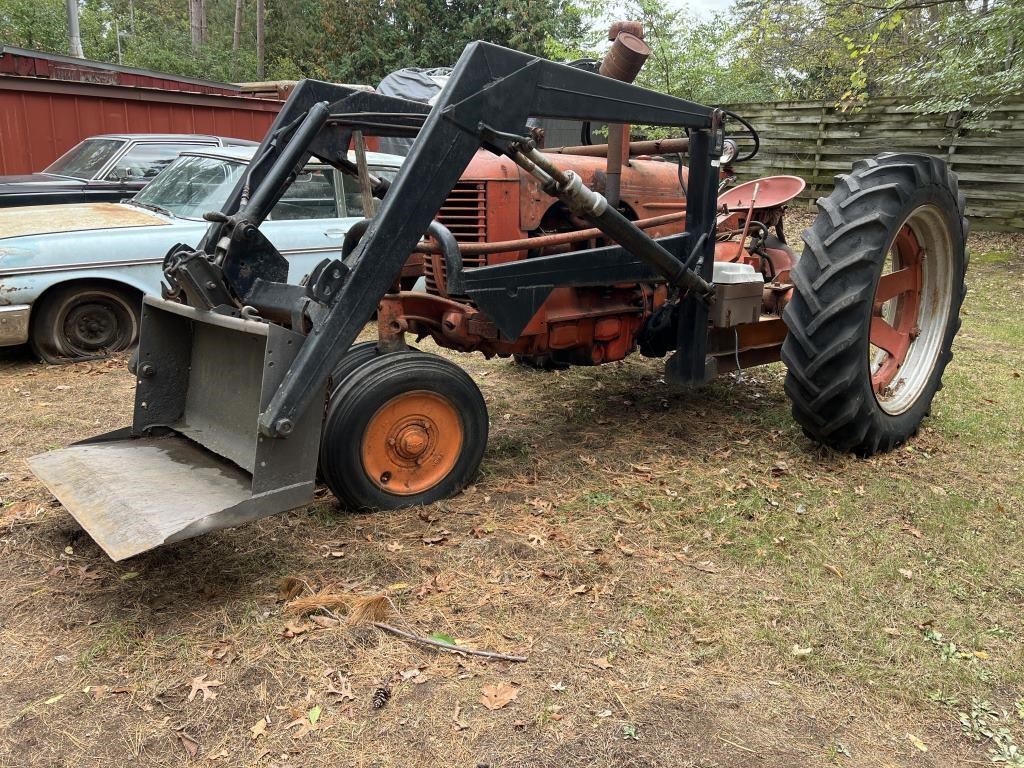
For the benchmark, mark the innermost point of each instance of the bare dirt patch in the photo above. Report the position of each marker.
(694, 583)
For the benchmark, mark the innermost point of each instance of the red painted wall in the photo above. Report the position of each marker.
(40, 119)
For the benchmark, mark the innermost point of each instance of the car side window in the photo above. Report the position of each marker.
(310, 196)
(144, 161)
(351, 199)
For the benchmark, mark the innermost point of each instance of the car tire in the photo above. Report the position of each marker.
(84, 321)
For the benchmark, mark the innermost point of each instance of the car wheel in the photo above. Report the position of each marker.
(84, 321)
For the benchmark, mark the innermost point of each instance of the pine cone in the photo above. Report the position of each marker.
(381, 696)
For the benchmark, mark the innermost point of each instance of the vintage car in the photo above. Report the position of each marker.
(72, 276)
(104, 168)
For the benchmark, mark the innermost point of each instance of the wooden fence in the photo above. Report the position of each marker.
(816, 141)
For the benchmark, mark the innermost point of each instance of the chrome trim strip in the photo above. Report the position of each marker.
(17, 271)
(14, 324)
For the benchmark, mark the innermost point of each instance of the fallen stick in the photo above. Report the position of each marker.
(446, 646)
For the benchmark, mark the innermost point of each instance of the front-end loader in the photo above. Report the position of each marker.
(249, 387)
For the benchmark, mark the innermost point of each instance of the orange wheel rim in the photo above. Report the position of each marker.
(412, 442)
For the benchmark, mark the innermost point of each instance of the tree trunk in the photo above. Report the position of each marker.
(197, 23)
(236, 41)
(261, 72)
(74, 35)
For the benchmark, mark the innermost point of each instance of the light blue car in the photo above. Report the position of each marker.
(72, 276)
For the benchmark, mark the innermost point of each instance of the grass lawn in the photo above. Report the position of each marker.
(694, 584)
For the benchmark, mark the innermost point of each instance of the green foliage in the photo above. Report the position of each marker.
(944, 54)
(39, 24)
(975, 56)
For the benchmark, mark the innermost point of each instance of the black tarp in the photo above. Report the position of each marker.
(416, 84)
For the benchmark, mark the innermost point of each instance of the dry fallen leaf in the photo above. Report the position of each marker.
(601, 662)
(295, 628)
(457, 721)
(498, 696)
(917, 742)
(915, 532)
(259, 729)
(343, 689)
(906, 573)
(324, 621)
(796, 650)
(202, 684)
(188, 743)
(833, 570)
(222, 652)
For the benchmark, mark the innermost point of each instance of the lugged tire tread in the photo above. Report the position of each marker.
(832, 282)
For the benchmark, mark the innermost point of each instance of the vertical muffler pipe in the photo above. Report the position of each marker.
(623, 61)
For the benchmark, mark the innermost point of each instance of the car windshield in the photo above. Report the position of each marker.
(85, 160)
(192, 186)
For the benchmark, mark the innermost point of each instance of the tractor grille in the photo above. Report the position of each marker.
(465, 214)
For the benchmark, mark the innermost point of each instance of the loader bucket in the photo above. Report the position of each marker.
(193, 460)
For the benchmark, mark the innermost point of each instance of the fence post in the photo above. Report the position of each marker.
(953, 120)
(820, 140)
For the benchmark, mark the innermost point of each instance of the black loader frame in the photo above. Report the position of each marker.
(486, 104)
(228, 405)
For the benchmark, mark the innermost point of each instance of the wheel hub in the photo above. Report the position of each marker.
(412, 442)
(909, 311)
(91, 326)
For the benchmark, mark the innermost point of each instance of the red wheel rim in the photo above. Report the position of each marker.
(895, 310)
(412, 442)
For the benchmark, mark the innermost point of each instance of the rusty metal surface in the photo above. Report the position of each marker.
(545, 241)
(54, 66)
(44, 118)
(625, 58)
(772, 191)
(75, 217)
(649, 147)
(136, 494)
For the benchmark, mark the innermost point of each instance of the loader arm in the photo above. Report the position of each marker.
(491, 94)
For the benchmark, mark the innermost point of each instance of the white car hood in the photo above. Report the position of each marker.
(75, 217)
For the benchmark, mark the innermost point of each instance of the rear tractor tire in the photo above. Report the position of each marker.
(402, 429)
(877, 303)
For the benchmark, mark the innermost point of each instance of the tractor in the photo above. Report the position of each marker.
(249, 388)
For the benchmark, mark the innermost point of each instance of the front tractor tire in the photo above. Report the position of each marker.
(402, 429)
(877, 303)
